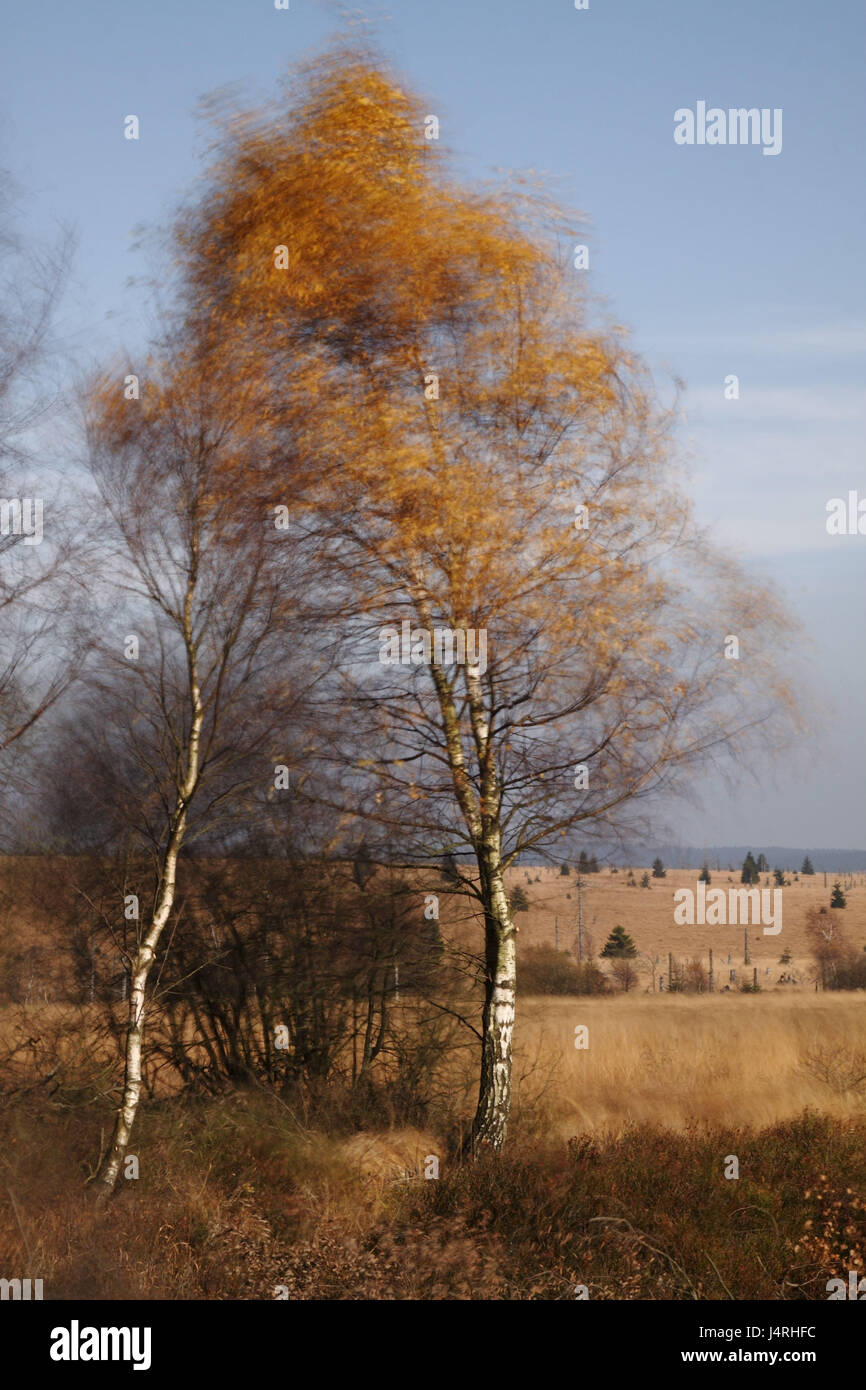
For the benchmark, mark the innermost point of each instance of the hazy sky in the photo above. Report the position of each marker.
(721, 259)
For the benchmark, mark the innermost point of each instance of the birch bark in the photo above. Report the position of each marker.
(188, 776)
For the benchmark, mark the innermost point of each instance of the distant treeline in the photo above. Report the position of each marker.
(785, 856)
(720, 857)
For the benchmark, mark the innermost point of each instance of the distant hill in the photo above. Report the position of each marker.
(777, 856)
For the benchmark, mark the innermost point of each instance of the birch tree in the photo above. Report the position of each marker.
(480, 456)
(199, 642)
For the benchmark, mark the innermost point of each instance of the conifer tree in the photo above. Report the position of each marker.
(619, 945)
(838, 898)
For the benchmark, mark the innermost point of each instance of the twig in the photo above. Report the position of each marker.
(20, 1227)
(720, 1279)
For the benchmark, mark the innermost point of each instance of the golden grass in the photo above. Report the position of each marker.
(744, 1060)
(380, 1157)
(235, 1198)
(671, 1060)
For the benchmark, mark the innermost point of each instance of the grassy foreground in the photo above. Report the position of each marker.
(614, 1177)
(234, 1200)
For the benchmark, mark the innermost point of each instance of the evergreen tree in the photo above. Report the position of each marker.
(619, 945)
(448, 868)
(645, 881)
(808, 867)
(363, 867)
(583, 863)
(592, 865)
(519, 900)
(778, 878)
(838, 898)
(659, 870)
(704, 875)
(564, 870)
(763, 866)
(750, 870)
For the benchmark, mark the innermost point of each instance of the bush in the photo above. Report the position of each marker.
(696, 979)
(624, 974)
(544, 970)
(802, 1175)
(850, 973)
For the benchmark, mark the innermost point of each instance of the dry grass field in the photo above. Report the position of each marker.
(681, 1063)
(741, 1060)
(607, 901)
(613, 1176)
(648, 916)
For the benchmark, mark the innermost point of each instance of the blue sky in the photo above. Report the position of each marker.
(721, 260)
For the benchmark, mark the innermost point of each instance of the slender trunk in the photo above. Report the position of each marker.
(481, 815)
(494, 1093)
(481, 812)
(354, 1036)
(367, 1050)
(207, 1040)
(266, 1020)
(145, 956)
(187, 781)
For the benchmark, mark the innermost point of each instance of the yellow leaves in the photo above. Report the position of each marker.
(396, 271)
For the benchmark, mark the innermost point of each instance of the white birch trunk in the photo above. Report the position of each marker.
(490, 1124)
(482, 818)
(146, 954)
